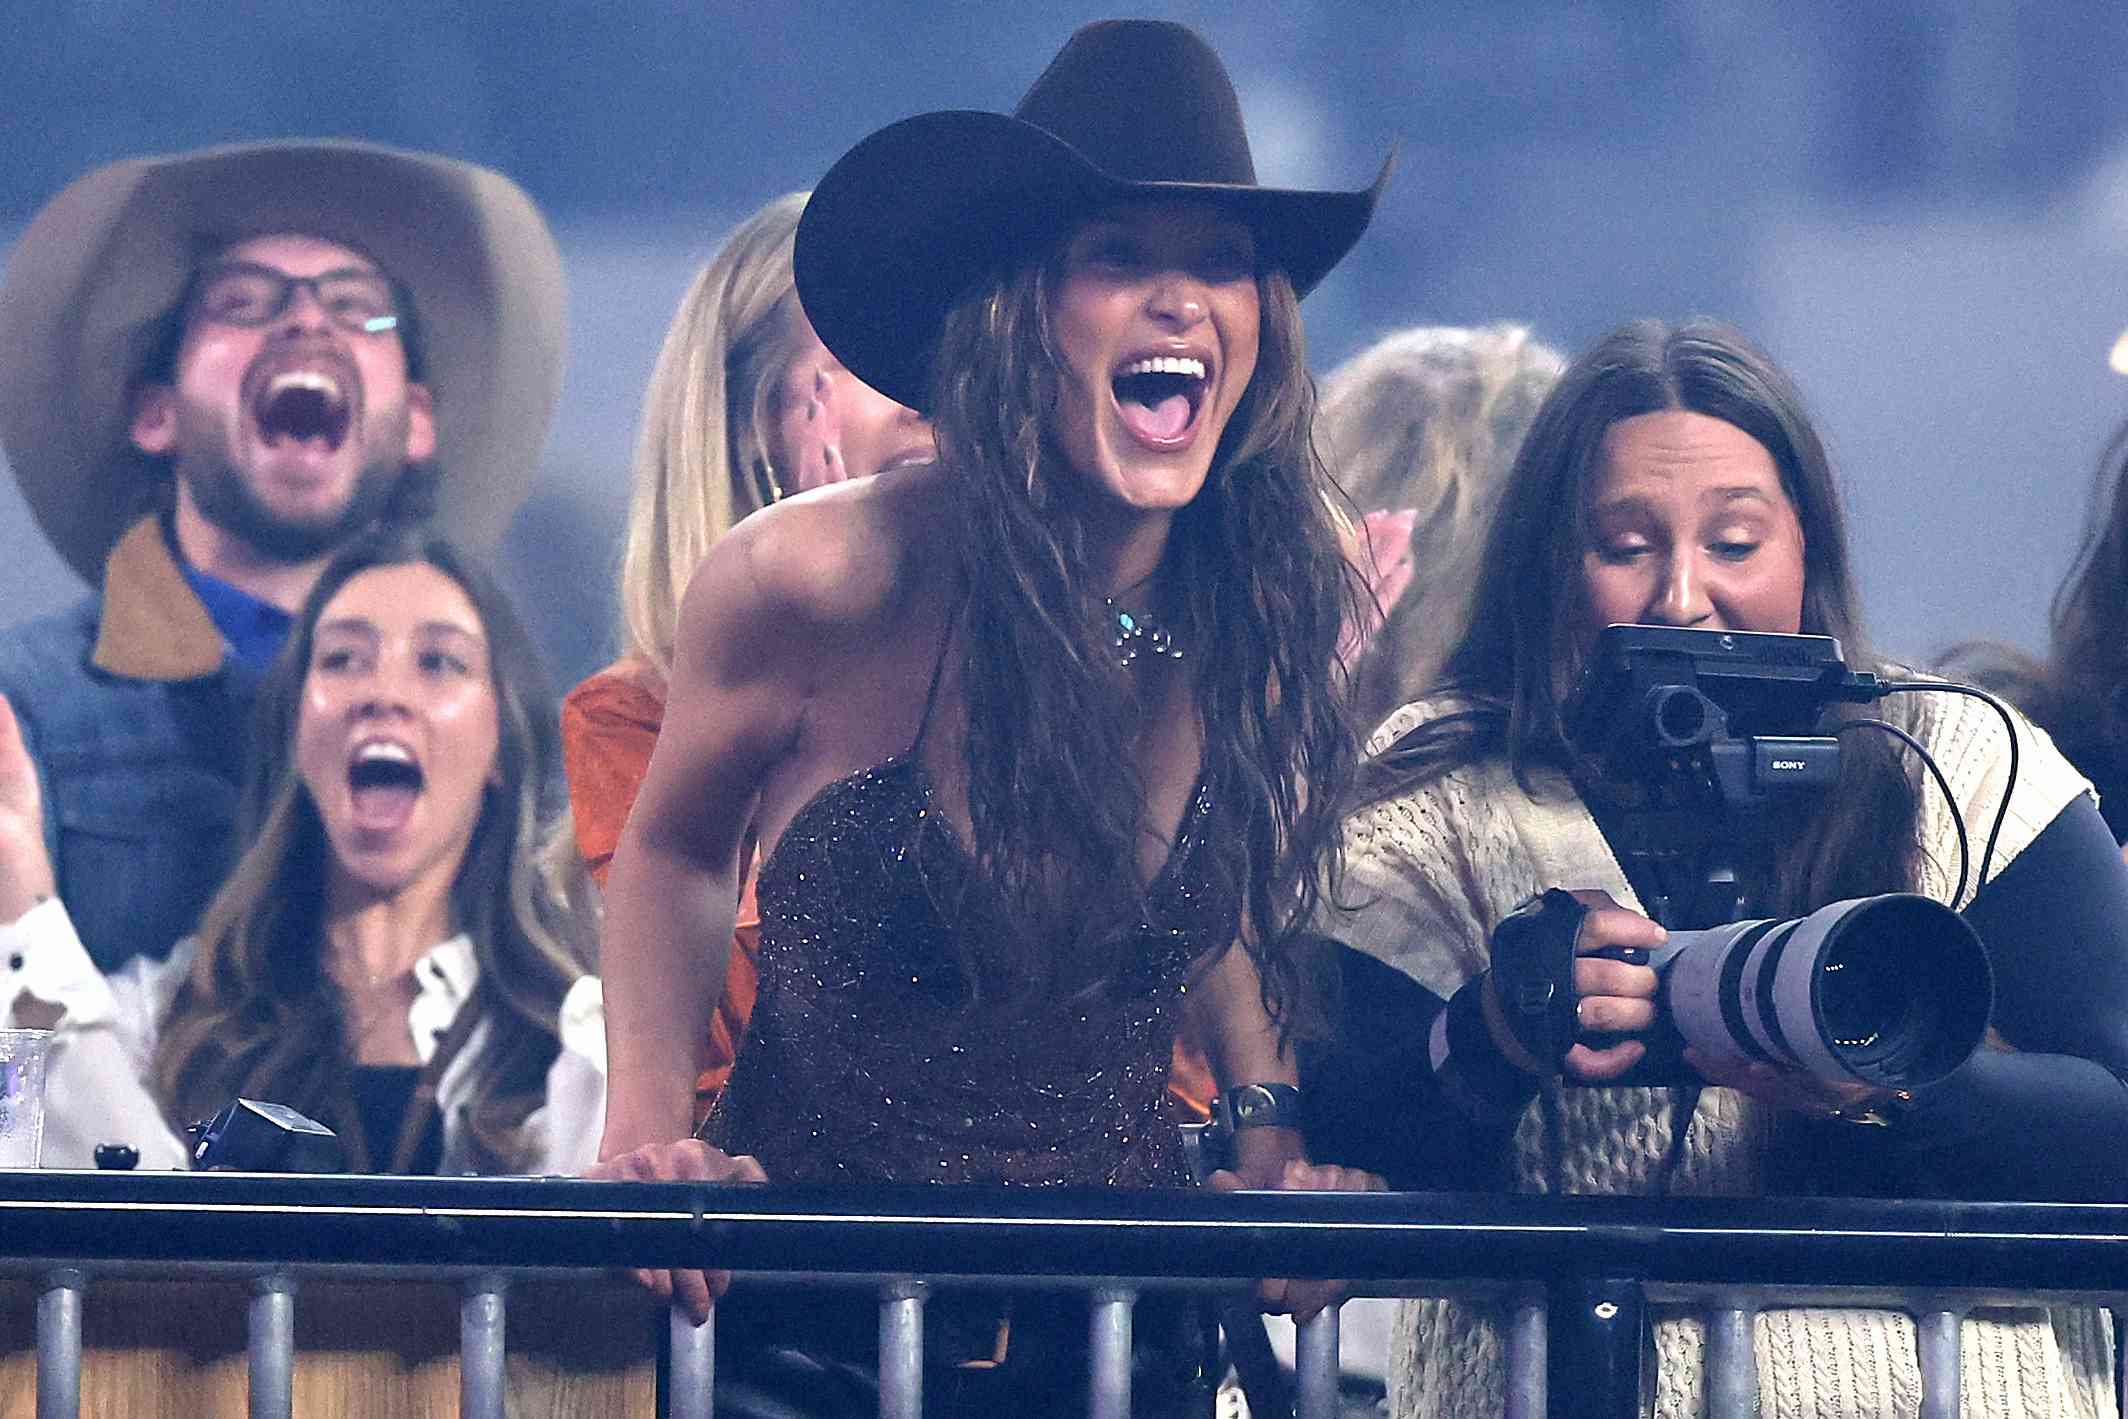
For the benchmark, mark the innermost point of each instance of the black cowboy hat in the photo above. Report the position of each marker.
(916, 214)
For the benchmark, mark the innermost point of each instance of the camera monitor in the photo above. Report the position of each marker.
(1721, 718)
(1656, 687)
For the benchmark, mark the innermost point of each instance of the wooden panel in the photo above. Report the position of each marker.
(365, 1350)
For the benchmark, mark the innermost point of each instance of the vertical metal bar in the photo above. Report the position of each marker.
(1732, 1363)
(1936, 1336)
(271, 1328)
(691, 1369)
(1109, 1391)
(59, 1344)
(2120, 1354)
(481, 1386)
(1525, 1359)
(1592, 1348)
(1315, 1366)
(901, 1350)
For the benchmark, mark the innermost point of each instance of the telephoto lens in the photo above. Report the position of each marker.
(1893, 991)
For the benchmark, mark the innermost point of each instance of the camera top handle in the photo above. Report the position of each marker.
(1694, 738)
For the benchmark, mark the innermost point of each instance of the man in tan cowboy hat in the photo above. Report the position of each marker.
(219, 367)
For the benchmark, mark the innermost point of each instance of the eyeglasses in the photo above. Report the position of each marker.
(245, 293)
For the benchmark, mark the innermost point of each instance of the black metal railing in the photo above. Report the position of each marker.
(1575, 1274)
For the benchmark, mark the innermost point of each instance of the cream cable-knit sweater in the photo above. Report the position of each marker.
(1432, 871)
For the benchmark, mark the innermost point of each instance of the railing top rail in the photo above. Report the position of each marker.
(563, 1223)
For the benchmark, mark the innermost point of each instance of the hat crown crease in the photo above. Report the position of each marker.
(1144, 101)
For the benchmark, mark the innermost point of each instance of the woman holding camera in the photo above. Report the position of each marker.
(389, 955)
(1672, 478)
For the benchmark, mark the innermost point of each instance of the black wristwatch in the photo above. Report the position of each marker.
(1257, 1106)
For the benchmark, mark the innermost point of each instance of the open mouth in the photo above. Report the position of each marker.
(383, 782)
(310, 406)
(1159, 397)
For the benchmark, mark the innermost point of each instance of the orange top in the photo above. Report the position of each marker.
(1189, 1077)
(609, 724)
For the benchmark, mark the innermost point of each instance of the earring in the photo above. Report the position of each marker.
(765, 484)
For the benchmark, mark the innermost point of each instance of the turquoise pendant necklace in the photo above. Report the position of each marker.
(1133, 633)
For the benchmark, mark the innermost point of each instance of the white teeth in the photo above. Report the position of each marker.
(324, 384)
(393, 753)
(1164, 364)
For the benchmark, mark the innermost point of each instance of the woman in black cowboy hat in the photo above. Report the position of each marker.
(1029, 738)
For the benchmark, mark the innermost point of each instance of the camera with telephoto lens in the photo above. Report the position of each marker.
(1892, 991)
(1708, 733)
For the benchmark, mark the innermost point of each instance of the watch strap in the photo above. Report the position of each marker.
(1257, 1106)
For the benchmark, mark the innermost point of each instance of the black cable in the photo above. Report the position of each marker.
(2009, 722)
(1928, 760)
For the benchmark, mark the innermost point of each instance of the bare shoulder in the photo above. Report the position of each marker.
(838, 557)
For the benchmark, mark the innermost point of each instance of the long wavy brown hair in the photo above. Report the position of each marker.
(1260, 589)
(258, 1015)
(1509, 678)
(2081, 694)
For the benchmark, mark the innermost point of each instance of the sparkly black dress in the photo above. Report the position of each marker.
(864, 1061)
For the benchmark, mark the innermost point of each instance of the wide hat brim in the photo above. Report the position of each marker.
(919, 213)
(92, 276)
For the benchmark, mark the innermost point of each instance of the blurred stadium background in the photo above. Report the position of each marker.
(1920, 206)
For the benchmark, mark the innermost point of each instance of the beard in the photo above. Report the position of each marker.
(225, 499)
(225, 496)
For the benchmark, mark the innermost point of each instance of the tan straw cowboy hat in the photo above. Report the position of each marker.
(917, 214)
(88, 285)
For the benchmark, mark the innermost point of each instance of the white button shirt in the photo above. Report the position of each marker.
(96, 1088)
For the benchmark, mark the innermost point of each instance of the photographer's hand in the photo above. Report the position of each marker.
(1616, 997)
(1791, 1089)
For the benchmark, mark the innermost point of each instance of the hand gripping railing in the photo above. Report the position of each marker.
(1574, 1274)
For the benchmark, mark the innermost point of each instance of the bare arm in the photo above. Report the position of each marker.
(732, 712)
(779, 607)
(1245, 1049)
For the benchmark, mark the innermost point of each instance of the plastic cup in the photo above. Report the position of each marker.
(22, 1060)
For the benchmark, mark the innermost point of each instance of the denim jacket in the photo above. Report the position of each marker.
(136, 717)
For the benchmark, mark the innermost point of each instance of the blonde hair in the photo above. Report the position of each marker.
(702, 451)
(1430, 419)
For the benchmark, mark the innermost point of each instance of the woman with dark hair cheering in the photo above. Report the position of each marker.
(389, 955)
(1672, 478)
(1029, 738)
